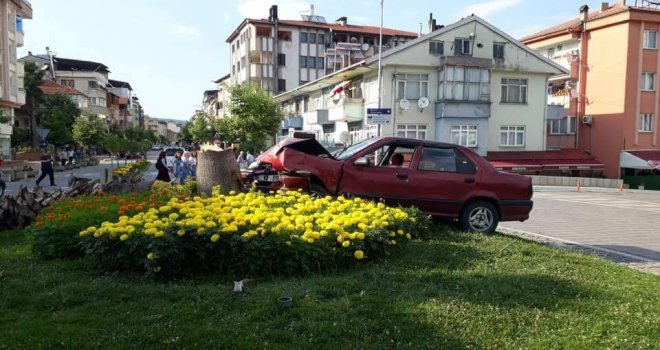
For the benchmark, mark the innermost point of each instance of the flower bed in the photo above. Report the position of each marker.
(132, 168)
(249, 233)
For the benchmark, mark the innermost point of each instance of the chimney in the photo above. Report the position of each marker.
(342, 21)
(273, 13)
(604, 6)
(584, 12)
(311, 9)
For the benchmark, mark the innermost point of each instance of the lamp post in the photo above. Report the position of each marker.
(380, 56)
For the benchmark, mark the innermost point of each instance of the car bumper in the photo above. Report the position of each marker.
(515, 210)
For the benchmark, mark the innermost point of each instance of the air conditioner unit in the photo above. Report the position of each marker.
(587, 119)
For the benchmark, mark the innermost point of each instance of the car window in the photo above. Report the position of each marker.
(445, 160)
(392, 155)
(350, 151)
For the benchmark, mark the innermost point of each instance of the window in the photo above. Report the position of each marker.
(650, 39)
(412, 86)
(281, 59)
(648, 81)
(93, 84)
(411, 131)
(556, 127)
(551, 52)
(464, 135)
(392, 156)
(281, 85)
(311, 62)
(514, 90)
(445, 160)
(312, 38)
(646, 123)
(303, 61)
(512, 136)
(436, 47)
(462, 46)
(67, 82)
(571, 125)
(567, 125)
(303, 37)
(464, 83)
(319, 62)
(498, 51)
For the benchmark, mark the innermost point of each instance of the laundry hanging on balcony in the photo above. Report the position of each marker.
(340, 87)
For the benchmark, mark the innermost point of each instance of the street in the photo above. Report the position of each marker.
(624, 223)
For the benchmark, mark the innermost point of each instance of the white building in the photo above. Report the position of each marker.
(467, 83)
(279, 54)
(12, 94)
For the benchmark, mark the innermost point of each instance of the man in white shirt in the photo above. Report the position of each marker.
(249, 158)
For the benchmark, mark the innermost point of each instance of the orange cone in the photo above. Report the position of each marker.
(578, 185)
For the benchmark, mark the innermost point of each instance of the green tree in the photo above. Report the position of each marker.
(34, 97)
(88, 131)
(200, 128)
(254, 116)
(184, 136)
(19, 137)
(59, 116)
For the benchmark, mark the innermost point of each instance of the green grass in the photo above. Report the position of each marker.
(448, 291)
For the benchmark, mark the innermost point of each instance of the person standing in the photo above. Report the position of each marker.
(161, 165)
(62, 155)
(177, 164)
(185, 167)
(249, 158)
(70, 156)
(193, 164)
(47, 169)
(241, 159)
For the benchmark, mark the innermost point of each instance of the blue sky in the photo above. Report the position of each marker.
(171, 50)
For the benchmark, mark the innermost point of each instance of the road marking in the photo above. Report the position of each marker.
(565, 241)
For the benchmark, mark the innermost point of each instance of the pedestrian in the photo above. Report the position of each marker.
(249, 158)
(63, 156)
(241, 159)
(185, 167)
(70, 155)
(193, 164)
(177, 163)
(47, 169)
(161, 165)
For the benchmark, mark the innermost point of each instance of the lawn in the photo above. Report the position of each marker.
(448, 290)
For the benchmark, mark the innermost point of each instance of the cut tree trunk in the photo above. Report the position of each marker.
(218, 168)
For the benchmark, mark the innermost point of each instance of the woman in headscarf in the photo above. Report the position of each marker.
(161, 165)
(184, 172)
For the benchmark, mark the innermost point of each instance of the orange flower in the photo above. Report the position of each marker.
(122, 201)
(113, 198)
(103, 210)
(139, 207)
(121, 212)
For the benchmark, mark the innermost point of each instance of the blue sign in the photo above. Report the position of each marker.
(43, 144)
(379, 115)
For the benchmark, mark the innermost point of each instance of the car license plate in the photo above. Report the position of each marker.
(268, 178)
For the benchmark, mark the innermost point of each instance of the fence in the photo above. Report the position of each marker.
(650, 182)
(539, 180)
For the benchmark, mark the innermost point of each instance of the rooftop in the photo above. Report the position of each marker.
(119, 84)
(49, 87)
(70, 64)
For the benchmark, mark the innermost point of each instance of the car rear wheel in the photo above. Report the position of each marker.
(317, 191)
(480, 217)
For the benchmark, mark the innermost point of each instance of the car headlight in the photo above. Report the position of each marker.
(254, 165)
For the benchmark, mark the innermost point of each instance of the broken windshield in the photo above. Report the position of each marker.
(353, 149)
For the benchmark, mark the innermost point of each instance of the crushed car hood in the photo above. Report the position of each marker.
(307, 146)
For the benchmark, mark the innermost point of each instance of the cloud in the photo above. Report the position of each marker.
(487, 8)
(184, 31)
(287, 9)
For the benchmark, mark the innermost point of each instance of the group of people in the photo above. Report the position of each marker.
(245, 159)
(68, 155)
(183, 166)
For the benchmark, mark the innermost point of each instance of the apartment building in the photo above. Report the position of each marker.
(608, 103)
(12, 94)
(467, 83)
(281, 54)
(90, 78)
(121, 94)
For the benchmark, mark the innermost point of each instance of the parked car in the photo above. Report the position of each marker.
(441, 179)
(156, 148)
(169, 155)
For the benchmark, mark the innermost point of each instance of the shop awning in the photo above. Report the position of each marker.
(565, 159)
(644, 160)
(340, 87)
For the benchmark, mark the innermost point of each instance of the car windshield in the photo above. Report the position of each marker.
(350, 151)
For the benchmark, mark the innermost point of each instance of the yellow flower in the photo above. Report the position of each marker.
(151, 256)
(123, 237)
(215, 238)
(358, 254)
(408, 236)
(181, 233)
(346, 244)
(157, 268)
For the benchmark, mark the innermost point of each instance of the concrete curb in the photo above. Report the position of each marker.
(636, 262)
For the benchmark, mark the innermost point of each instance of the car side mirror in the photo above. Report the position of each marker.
(362, 161)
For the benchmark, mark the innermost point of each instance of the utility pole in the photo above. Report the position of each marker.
(380, 56)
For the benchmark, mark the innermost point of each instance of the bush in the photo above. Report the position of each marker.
(250, 233)
(56, 229)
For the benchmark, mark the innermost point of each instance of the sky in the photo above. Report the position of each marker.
(170, 51)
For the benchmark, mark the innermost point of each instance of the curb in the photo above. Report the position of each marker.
(636, 262)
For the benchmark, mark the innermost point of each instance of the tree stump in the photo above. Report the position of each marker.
(218, 168)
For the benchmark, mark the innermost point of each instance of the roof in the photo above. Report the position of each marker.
(49, 87)
(75, 65)
(564, 158)
(643, 159)
(336, 27)
(647, 155)
(119, 84)
(221, 79)
(574, 23)
(210, 92)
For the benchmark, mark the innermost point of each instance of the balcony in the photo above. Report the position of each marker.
(462, 109)
(261, 70)
(319, 116)
(5, 129)
(19, 38)
(292, 123)
(555, 112)
(261, 43)
(347, 110)
(20, 98)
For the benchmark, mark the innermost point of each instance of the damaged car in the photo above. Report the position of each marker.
(441, 179)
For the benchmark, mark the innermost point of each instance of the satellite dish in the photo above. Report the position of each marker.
(404, 104)
(344, 137)
(365, 47)
(423, 102)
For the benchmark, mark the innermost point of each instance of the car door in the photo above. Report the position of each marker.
(445, 179)
(387, 175)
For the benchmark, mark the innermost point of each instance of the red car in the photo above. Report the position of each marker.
(444, 180)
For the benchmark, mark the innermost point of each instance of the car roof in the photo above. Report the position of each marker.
(417, 141)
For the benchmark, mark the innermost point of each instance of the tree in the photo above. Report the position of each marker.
(254, 116)
(34, 97)
(88, 131)
(59, 116)
(184, 136)
(200, 128)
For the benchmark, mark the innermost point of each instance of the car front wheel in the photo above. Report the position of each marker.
(317, 191)
(480, 217)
